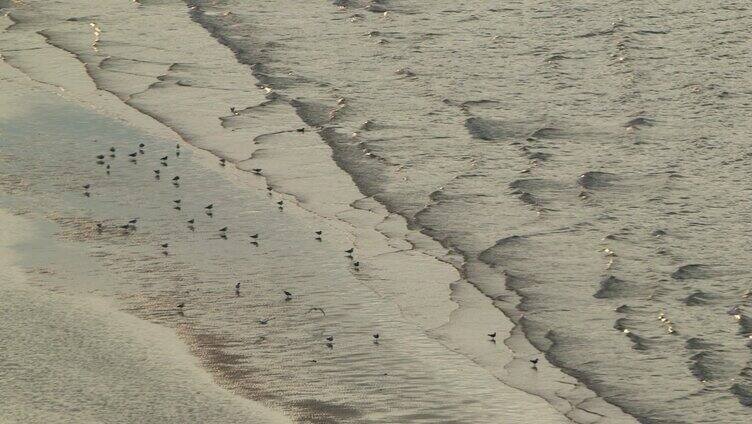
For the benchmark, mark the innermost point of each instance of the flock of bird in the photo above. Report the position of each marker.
(130, 226)
(209, 211)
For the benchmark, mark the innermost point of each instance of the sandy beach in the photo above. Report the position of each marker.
(216, 211)
(284, 362)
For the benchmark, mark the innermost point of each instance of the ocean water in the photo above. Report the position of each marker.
(569, 175)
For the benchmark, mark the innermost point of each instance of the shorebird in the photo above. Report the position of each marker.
(223, 230)
(234, 111)
(222, 161)
(350, 250)
(257, 171)
(330, 345)
(191, 221)
(268, 188)
(237, 286)
(177, 146)
(100, 157)
(280, 203)
(141, 145)
(330, 339)
(99, 227)
(133, 221)
(133, 155)
(265, 321)
(211, 206)
(254, 236)
(534, 361)
(492, 336)
(108, 169)
(112, 149)
(376, 338)
(176, 178)
(288, 295)
(164, 158)
(356, 265)
(164, 245)
(300, 130)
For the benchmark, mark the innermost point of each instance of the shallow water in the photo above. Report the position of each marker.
(596, 148)
(581, 166)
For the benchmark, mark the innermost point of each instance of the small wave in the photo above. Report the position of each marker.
(610, 287)
(590, 34)
(312, 113)
(376, 8)
(638, 342)
(620, 324)
(528, 198)
(476, 103)
(652, 31)
(696, 343)
(700, 365)
(743, 393)
(491, 255)
(539, 156)
(527, 184)
(691, 271)
(622, 309)
(595, 179)
(697, 298)
(546, 132)
(745, 324)
(639, 122)
(487, 129)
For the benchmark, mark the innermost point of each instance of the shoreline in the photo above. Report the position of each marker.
(576, 410)
(360, 218)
